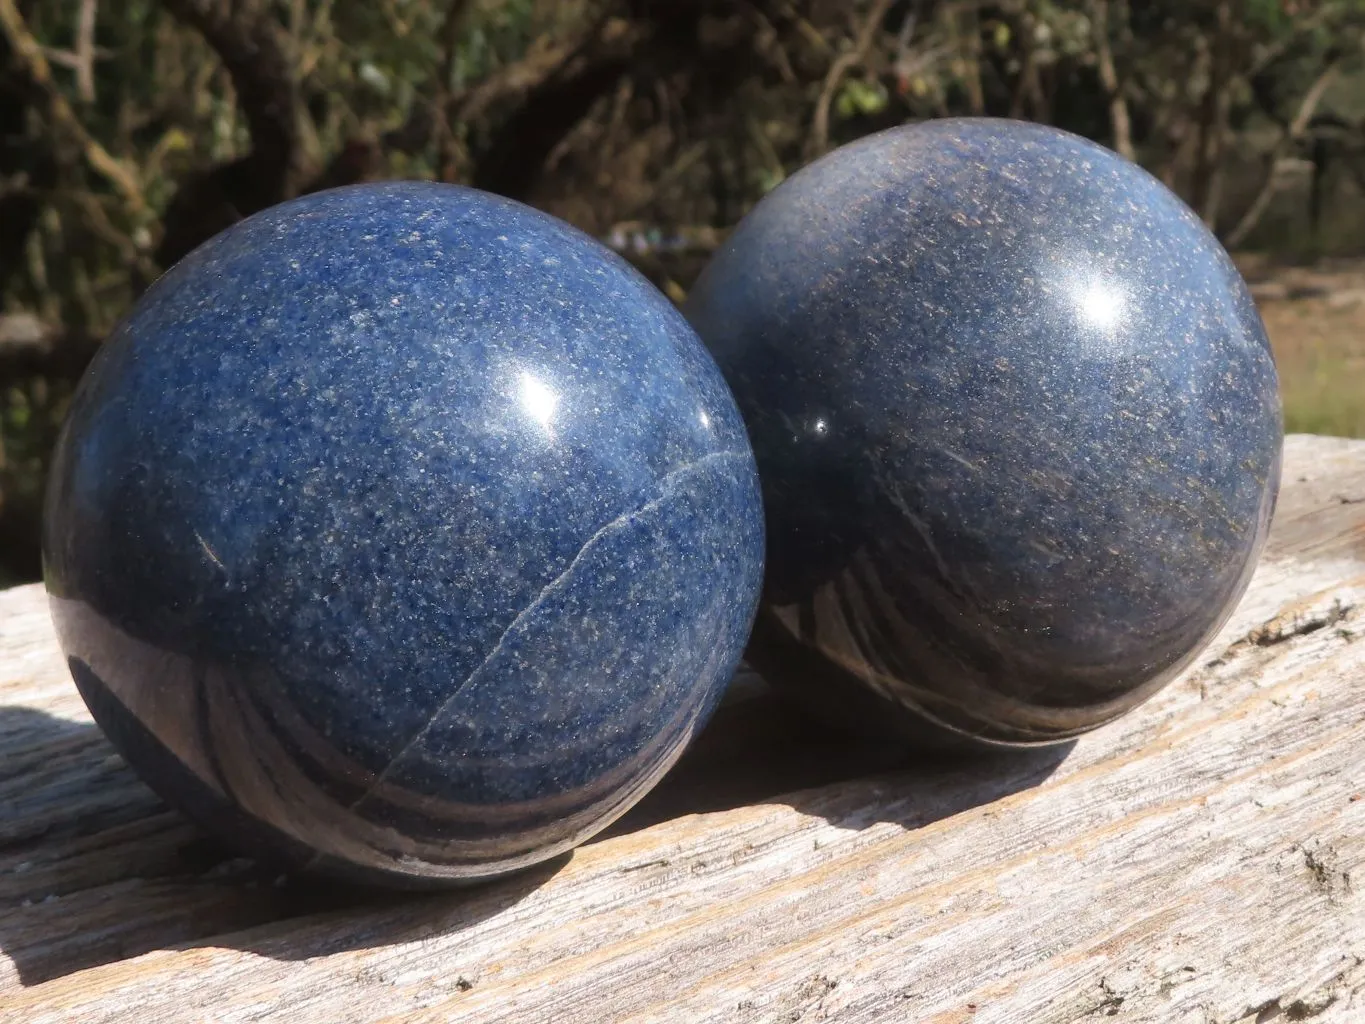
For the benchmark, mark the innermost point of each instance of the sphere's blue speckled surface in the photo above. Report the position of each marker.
(1017, 422)
(404, 530)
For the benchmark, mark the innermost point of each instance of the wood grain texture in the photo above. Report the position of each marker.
(1200, 860)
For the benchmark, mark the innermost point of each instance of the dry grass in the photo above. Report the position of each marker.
(1316, 321)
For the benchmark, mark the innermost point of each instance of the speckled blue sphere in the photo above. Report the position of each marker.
(405, 532)
(1017, 423)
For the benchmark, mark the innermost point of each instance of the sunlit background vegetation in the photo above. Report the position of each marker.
(131, 130)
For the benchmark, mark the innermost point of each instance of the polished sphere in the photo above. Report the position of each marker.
(405, 532)
(1017, 423)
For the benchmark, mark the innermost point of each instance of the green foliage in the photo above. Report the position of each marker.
(861, 97)
(1268, 15)
(162, 103)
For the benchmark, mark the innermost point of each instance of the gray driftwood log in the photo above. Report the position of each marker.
(1198, 861)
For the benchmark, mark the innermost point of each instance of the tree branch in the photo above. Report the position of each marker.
(1027, 86)
(1214, 112)
(35, 63)
(819, 136)
(1293, 134)
(535, 67)
(448, 158)
(1119, 121)
(85, 51)
(252, 47)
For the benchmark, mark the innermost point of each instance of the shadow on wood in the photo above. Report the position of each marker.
(761, 749)
(116, 874)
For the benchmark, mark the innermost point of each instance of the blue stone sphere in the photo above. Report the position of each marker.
(404, 532)
(1017, 423)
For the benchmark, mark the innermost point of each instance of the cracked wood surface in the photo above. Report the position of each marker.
(1200, 860)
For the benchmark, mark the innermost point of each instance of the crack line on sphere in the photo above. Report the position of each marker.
(665, 489)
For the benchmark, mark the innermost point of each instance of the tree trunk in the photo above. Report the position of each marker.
(1120, 123)
(1214, 111)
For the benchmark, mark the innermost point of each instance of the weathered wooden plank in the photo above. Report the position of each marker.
(1199, 860)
